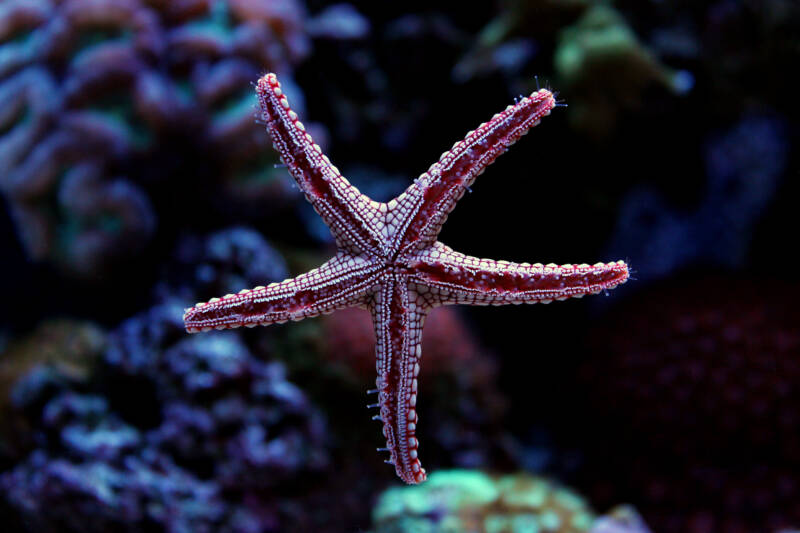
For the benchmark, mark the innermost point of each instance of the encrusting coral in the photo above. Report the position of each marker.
(621, 519)
(468, 500)
(473, 501)
(95, 476)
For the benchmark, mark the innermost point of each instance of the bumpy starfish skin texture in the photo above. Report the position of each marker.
(390, 262)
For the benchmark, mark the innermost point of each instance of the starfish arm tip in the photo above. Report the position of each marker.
(623, 271)
(349, 214)
(268, 79)
(187, 317)
(606, 275)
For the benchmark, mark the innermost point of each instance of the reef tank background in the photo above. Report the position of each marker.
(135, 181)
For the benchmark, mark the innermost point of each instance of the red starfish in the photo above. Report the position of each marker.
(390, 262)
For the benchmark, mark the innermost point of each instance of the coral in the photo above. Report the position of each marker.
(702, 375)
(621, 519)
(99, 215)
(67, 350)
(601, 46)
(23, 38)
(97, 477)
(513, 36)
(744, 168)
(72, 348)
(599, 64)
(221, 407)
(91, 473)
(339, 21)
(56, 495)
(161, 432)
(227, 428)
(56, 355)
(465, 500)
(699, 366)
(111, 107)
(228, 260)
(236, 414)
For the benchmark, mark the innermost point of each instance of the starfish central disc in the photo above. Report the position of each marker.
(390, 262)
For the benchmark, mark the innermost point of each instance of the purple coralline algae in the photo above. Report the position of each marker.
(135, 492)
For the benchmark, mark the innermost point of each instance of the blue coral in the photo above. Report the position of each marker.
(216, 427)
(221, 406)
(225, 261)
(138, 492)
(744, 167)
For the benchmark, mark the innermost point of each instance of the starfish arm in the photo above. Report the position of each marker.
(398, 315)
(355, 220)
(341, 282)
(443, 276)
(418, 214)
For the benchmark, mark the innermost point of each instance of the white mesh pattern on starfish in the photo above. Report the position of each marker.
(390, 262)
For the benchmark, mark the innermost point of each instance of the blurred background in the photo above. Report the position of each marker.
(135, 181)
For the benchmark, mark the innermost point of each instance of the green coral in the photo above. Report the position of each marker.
(604, 69)
(470, 501)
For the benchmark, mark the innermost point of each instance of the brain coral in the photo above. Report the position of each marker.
(110, 109)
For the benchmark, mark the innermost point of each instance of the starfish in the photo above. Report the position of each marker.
(390, 262)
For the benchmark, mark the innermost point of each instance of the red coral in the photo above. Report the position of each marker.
(448, 345)
(700, 379)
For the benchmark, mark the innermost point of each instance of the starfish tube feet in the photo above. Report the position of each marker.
(398, 314)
